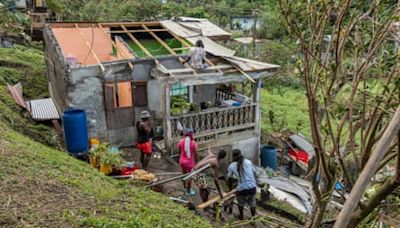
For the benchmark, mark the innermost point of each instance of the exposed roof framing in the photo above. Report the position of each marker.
(114, 45)
(136, 41)
(144, 35)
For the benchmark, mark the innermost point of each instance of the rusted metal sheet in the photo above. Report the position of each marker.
(43, 109)
(16, 92)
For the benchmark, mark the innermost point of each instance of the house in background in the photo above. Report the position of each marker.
(115, 70)
(244, 23)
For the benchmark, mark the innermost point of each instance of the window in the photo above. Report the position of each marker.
(140, 93)
(118, 95)
(178, 90)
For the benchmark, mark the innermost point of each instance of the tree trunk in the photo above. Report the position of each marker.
(375, 200)
(318, 215)
(369, 171)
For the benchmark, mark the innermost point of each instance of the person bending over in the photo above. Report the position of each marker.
(214, 161)
(244, 172)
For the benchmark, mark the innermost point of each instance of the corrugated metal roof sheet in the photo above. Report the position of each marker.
(43, 109)
(212, 47)
(190, 27)
(207, 28)
(249, 64)
(247, 40)
(178, 29)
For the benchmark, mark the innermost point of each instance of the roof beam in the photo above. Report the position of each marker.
(149, 23)
(136, 41)
(180, 39)
(188, 45)
(90, 48)
(141, 30)
(114, 44)
(159, 40)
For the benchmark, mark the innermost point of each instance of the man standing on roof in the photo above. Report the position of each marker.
(214, 161)
(188, 148)
(244, 172)
(145, 135)
(197, 56)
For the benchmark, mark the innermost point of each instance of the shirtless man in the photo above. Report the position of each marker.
(145, 135)
(201, 181)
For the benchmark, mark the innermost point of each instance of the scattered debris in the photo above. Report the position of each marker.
(16, 92)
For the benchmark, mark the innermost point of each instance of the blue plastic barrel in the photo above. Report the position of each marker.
(75, 131)
(268, 157)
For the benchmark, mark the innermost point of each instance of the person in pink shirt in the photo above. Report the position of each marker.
(188, 148)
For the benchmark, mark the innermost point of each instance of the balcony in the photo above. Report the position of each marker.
(210, 123)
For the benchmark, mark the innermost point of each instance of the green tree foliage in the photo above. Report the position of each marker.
(117, 10)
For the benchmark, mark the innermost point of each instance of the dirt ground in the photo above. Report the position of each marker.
(175, 189)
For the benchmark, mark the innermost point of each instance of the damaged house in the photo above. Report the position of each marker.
(114, 71)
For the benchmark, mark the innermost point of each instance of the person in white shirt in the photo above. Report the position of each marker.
(197, 56)
(244, 172)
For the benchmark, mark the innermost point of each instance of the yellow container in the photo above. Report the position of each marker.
(93, 142)
(106, 169)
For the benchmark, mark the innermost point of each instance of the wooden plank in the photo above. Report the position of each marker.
(114, 44)
(167, 118)
(137, 42)
(226, 196)
(179, 38)
(167, 47)
(90, 48)
(140, 30)
(168, 180)
(149, 23)
(194, 172)
(184, 70)
(245, 74)
(181, 48)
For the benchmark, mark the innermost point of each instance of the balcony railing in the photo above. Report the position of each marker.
(216, 120)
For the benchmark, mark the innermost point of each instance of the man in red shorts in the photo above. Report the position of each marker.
(145, 134)
(188, 148)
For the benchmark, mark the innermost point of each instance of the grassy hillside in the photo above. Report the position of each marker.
(284, 107)
(41, 186)
(25, 65)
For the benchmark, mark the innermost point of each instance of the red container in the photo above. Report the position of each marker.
(299, 155)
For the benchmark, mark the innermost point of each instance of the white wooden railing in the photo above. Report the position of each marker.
(216, 120)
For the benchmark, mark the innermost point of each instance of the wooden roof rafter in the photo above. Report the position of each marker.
(114, 45)
(184, 42)
(140, 30)
(172, 52)
(137, 42)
